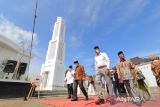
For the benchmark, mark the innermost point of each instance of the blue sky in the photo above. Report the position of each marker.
(129, 25)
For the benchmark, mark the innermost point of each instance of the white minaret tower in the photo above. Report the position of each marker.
(53, 70)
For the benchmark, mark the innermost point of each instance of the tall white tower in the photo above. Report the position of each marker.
(53, 70)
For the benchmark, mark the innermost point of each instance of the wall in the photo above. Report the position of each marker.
(147, 72)
(7, 53)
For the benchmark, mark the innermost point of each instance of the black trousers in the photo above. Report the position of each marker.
(70, 89)
(116, 88)
(75, 85)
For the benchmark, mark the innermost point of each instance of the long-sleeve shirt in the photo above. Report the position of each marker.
(102, 60)
(155, 66)
(69, 77)
(79, 72)
(124, 70)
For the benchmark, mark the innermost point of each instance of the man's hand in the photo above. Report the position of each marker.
(155, 74)
(119, 77)
(120, 81)
(137, 77)
(107, 72)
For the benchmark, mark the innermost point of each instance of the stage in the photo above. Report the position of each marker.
(13, 88)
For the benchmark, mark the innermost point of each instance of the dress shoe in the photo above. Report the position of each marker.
(68, 97)
(74, 99)
(86, 98)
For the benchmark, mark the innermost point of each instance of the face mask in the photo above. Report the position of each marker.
(75, 65)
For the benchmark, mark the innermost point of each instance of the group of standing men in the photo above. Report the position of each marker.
(73, 79)
(124, 76)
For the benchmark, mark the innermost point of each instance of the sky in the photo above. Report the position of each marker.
(132, 26)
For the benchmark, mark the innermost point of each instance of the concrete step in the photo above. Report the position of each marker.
(50, 93)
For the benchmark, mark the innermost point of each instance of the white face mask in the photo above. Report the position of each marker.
(75, 65)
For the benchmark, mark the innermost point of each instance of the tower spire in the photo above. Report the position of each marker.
(53, 69)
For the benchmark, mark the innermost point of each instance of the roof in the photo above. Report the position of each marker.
(138, 60)
(12, 45)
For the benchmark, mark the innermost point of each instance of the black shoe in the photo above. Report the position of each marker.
(100, 101)
(68, 97)
(74, 99)
(86, 98)
(137, 103)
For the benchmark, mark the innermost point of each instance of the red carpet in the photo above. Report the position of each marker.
(90, 103)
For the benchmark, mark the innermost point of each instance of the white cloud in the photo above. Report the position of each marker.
(91, 12)
(75, 41)
(86, 13)
(15, 33)
(123, 12)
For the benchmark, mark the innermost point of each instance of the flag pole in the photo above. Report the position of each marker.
(32, 39)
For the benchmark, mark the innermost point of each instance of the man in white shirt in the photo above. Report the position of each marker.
(69, 80)
(102, 67)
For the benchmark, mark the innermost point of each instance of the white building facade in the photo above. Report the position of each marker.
(53, 70)
(12, 51)
(147, 72)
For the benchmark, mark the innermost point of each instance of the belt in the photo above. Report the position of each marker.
(102, 66)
